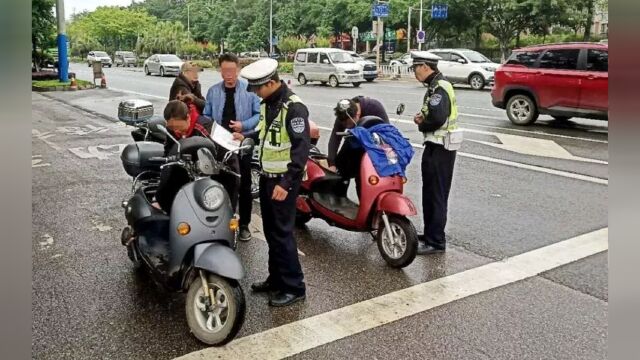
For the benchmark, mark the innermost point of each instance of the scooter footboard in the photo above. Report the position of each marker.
(395, 203)
(218, 259)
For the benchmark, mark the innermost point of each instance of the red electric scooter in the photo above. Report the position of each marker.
(382, 211)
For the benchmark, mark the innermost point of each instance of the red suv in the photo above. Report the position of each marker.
(561, 80)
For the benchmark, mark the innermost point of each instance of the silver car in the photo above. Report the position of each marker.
(163, 64)
(99, 56)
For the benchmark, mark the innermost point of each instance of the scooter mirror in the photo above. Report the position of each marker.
(400, 109)
(155, 122)
(206, 161)
(344, 104)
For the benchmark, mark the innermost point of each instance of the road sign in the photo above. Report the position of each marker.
(354, 32)
(439, 11)
(380, 10)
(420, 36)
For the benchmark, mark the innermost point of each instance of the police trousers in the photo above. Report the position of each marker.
(278, 221)
(437, 174)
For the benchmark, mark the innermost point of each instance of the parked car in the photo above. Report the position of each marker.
(403, 60)
(327, 65)
(254, 54)
(562, 80)
(369, 69)
(125, 58)
(163, 64)
(99, 56)
(464, 66)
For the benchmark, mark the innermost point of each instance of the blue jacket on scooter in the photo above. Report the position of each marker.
(385, 162)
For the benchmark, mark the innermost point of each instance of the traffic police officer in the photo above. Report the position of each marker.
(436, 120)
(283, 136)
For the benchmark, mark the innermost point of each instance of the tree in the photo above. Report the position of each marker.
(291, 44)
(112, 28)
(505, 18)
(42, 29)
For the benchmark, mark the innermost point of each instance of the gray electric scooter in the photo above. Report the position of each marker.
(192, 248)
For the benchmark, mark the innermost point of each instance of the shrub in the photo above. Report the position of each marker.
(285, 68)
(47, 75)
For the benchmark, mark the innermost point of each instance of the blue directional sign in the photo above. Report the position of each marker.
(380, 10)
(439, 11)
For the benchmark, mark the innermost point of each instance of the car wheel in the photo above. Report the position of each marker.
(89, 63)
(161, 71)
(356, 84)
(476, 81)
(302, 79)
(146, 70)
(369, 80)
(522, 110)
(333, 81)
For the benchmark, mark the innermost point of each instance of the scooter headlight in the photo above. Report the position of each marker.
(213, 198)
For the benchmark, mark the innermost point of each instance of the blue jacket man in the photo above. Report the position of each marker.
(230, 105)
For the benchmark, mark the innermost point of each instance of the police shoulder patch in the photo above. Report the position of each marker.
(297, 124)
(435, 99)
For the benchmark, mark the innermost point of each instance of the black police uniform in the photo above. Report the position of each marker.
(437, 165)
(278, 217)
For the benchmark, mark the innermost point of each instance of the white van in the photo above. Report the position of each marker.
(327, 65)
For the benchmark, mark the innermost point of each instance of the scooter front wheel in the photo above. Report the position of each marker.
(400, 247)
(215, 322)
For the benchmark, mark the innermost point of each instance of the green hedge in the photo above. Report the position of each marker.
(285, 68)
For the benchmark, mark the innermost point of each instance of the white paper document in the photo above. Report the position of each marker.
(224, 138)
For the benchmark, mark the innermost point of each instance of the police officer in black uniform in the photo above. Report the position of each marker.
(437, 116)
(283, 138)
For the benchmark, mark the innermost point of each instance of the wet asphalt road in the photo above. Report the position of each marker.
(88, 303)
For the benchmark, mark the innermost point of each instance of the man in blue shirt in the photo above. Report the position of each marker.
(229, 104)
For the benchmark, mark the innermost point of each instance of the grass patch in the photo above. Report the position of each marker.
(45, 84)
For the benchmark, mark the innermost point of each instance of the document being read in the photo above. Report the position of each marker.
(223, 137)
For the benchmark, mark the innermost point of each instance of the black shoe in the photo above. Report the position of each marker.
(424, 249)
(245, 233)
(261, 286)
(284, 299)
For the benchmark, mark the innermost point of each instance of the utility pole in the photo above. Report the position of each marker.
(188, 20)
(420, 44)
(63, 63)
(409, 30)
(271, 28)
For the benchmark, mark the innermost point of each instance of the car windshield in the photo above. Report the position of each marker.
(340, 57)
(169, 58)
(357, 57)
(127, 55)
(101, 53)
(475, 57)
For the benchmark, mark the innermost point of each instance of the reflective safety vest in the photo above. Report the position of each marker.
(275, 145)
(451, 123)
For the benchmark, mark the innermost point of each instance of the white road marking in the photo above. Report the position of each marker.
(519, 165)
(36, 161)
(541, 133)
(531, 146)
(139, 93)
(101, 152)
(44, 136)
(302, 335)
(47, 242)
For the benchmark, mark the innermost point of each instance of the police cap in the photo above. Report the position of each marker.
(260, 72)
(424, 57)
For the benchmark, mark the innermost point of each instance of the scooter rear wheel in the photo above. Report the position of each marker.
(215, 324)
(399, 251)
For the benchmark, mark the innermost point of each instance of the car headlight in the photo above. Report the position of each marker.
(488, 68)
(213, 198)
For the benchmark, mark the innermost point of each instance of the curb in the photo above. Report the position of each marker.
(61, 88)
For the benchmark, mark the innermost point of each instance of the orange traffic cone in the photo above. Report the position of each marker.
(103, 82)
(74, 84)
